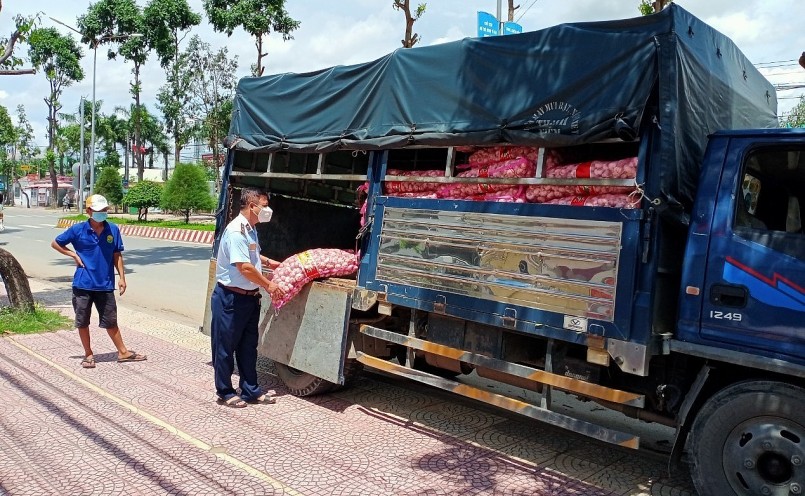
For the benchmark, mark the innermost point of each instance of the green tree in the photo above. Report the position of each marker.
(167, 24)
(410, 38)
(143, 195)
(8, 133)
(9, 63)
(796, 117)
(110, 185)
(648, 7)
(121, 23)
(213, 87)
(187, 190)
(256, 17)
(24, 148)
(8, 136)
(59, 58)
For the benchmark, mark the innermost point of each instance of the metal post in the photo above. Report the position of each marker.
(92, 127)
(500, 17)
(81, 166)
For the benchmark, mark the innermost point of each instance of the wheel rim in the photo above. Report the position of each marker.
(766, 456)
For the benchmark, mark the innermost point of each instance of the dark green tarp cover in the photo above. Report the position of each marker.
(564, 85)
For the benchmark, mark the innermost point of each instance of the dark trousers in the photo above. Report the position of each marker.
(234, 333)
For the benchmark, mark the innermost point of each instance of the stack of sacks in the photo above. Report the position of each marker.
(601, 196)
(515, 168)
(399, 188)
(498, 154)
(297, 270)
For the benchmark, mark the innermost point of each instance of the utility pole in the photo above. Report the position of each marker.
(81, 168)
(500, 16)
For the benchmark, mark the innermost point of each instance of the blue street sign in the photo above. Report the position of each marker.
(512, 28)
(487, 25)
(2, 186)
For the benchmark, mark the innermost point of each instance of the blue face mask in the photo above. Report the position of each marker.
(99, 216)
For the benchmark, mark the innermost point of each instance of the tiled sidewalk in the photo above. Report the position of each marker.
(154, 428)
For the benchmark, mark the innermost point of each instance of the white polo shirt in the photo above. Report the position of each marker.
(238, 244)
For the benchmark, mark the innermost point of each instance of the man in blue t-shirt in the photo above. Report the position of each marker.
(98, 252)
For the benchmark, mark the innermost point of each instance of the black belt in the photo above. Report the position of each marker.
(244, 292)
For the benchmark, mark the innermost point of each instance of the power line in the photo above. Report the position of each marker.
(526, 11)
(777, 62)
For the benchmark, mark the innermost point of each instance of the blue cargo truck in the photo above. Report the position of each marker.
(688, 310)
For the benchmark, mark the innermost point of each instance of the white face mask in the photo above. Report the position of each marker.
(264, 215)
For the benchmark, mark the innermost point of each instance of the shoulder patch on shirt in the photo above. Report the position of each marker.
(109, 238)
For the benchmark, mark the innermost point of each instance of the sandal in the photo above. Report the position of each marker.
(134, 357)
(263, 399)
(233, 401)
(88, 362)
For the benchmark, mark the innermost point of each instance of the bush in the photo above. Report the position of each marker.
(143, 195)
(110, 185)
(187, 190)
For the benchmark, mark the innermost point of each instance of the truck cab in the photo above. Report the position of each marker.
(743, 287)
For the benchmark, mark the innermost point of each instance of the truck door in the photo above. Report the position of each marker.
(755, 279)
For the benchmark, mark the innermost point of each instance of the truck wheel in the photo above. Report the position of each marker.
(749, 439)
(301, 383)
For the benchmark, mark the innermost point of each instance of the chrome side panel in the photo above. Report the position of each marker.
(560, 265)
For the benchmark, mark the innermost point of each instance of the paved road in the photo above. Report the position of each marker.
(164, 277)
(86, 436)
(153, 428)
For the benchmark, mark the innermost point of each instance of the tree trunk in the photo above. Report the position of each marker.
(137, 155)
(54, 182)
(16, 282)
(512, 8)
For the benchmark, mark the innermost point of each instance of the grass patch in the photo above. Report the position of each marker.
(40, 320)
(177, 223)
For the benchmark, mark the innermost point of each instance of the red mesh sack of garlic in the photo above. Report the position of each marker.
(519, 167)
(394, 187)
(602, 169)
(609, 200)
(541, 193)
(497, 154)
(297, 270)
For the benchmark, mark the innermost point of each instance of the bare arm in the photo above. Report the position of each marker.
(121, 281)
(271, 264)
(67, 252)
(251, 273)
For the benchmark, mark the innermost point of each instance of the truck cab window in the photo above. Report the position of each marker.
(768, 199)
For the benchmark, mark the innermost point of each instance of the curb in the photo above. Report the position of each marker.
(169, 233)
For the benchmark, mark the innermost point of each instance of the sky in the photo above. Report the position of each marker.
(354, 31)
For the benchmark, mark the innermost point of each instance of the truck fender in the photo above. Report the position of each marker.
(684, 420)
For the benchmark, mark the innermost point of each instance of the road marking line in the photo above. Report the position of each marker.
(29, 225)
(198, 443)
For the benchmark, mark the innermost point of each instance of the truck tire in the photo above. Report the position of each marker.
(749, 439)
(301, 383)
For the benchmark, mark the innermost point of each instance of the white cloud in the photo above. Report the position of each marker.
(353, 31)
